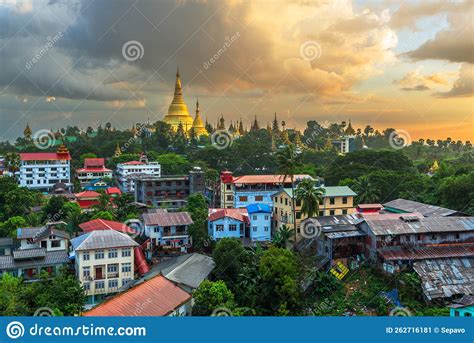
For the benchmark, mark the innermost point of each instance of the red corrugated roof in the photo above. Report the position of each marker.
(239, 214)
(155, 297)
(113, 190)
(43, 156)
(167, 219)
(94, 162)
(93, 170)
(133, 162)
(370, 206)
(248, 179)
(87, 194)
(102, 224)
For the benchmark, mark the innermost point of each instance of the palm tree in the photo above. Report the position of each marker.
(310, 196)
(12, 162)
(288, 161)
(282, 237)
(366, 192)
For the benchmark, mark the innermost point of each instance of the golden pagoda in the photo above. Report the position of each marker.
(178, 111)
(27, 132)
(198, 126)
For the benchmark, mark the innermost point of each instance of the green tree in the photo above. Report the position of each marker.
(366, 192)
(12, 302)
(310, 196)
(12, 162)
(53, 209)
(283, 237)
(229, 255)
(197, 207)
(279, 285)
(288, 162)
(210, 296)
(173, 164)
(9, 227)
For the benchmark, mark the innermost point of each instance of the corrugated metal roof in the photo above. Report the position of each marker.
(424, 225)
(6, 242)
(102, 224)
(273, 179)
(154, 297)
(239, 214)
(50, 258)
(167, 219)
(256, 208)
(329, 191)
(414, 206)
(427, 252)
(444, 278)
(23, 254)
(191, 272)
(102, 239)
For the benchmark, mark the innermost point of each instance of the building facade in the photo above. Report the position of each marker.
(228, 223)
(125, 171)
(104, 262)
(42, 170)
(260, 217)
(94, 169)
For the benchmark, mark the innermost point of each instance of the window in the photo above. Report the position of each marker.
(254, 228)
(125, 281)
(219, 227)
(126, 252)
(243, 198)
(321, 213)
(259, 198)
(298, 202)
(298, 215)
(112, 268)
(331, 212)
(332, 201)
(407, 238)
(344, 200)
(254, 217)
(433, 237)
(99, 285)
(113, 283)
(228, 186)
(56, 244)
(232, 227)
(456, 313)
(344, 211)
(86, 256)
(44, 244)
(229, 198)
(156, 229)
(86, 272)
(467, 314)
(86, 286)
(99, 254)
(267, 217)
(126, 267)
(286, 201)
(266, 228)
(113, 253)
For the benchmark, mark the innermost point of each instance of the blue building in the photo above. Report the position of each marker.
(463, 307)
(260, 217)
(228, 223)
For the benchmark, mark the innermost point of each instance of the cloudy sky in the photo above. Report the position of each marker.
(401, 64)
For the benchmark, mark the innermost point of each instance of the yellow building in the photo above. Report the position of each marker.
(336, 200)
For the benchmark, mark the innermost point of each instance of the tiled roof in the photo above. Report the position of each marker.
(87, 194)
(252, 179)
(113, 190)
(102, 239)
(445, 278)
(239, 214)
(102, 224)
(155, 297)
(192, 272)
(259, 208)
(167, 219)
(50, 258)
(414, 206)
(43, 156)
(94, 162)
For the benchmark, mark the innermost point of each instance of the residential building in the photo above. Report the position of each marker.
(463, 307)
(94, 168)
(241, 191)
(153, 297)
(369, 208)
(102, 224)
(168, 230)
(142, 167)
(409, 206)
(260, 216)
(228, 222)
(168, 192)
(6, 246)
(337, 200)
(42, 170)
(87, 199)
(104, 262)
(345, 144)
(40, 249)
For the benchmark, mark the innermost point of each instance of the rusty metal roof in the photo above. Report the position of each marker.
(414, 206)
(423, 225)
(426, 252)
(155, 297)
(444, 278)
(167, 219)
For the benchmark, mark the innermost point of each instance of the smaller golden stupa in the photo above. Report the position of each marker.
(198, 125)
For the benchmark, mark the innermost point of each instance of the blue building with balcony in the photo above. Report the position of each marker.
(260, 217)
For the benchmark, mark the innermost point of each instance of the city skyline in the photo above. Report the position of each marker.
(408, 66)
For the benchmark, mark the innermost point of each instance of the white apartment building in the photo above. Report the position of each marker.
(42, 170)
(104, 262)
(124, 170)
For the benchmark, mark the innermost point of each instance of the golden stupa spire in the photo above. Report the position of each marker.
(178, 111)
(198, 126)
(118, 151)
(27, 131)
